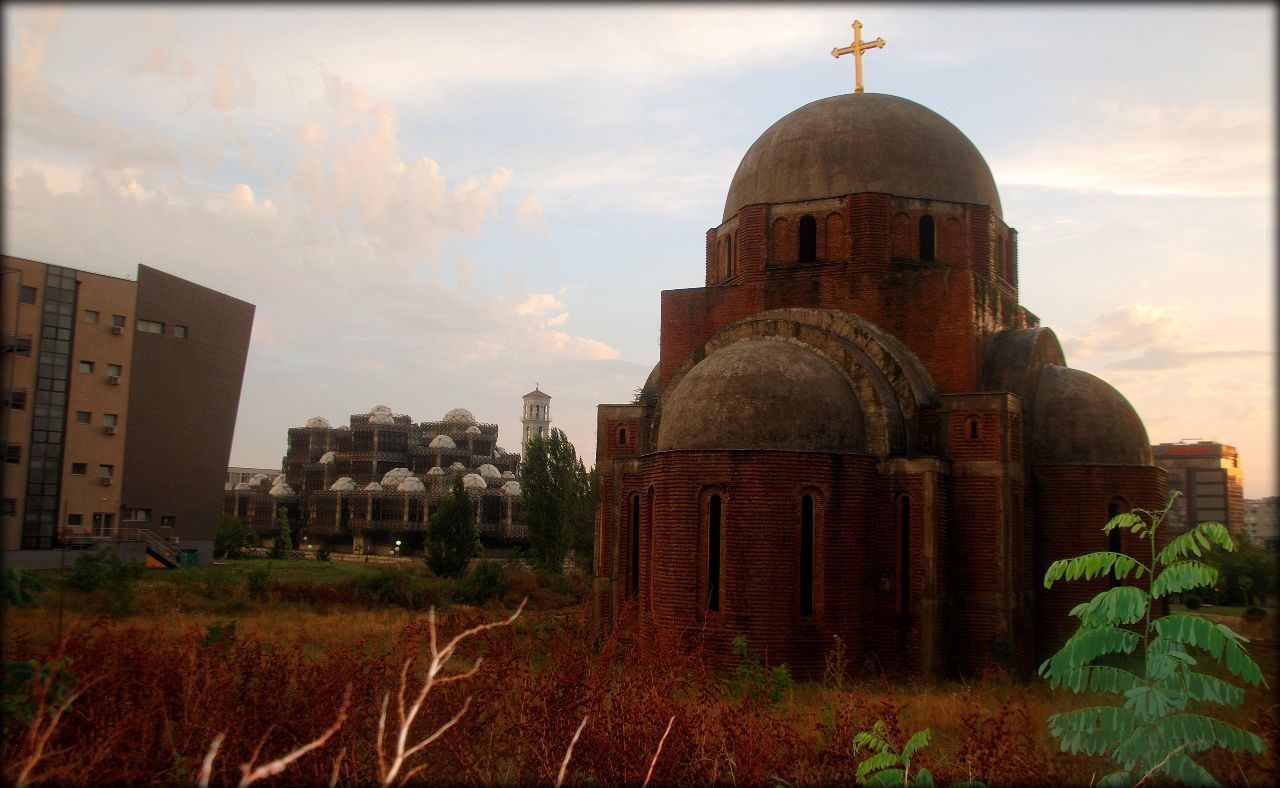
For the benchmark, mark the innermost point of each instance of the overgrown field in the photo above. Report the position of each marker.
(158, 665)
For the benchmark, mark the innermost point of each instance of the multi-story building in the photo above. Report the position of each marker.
(372, 485)
(1261, 522)
(119, 403)
(1208, 475)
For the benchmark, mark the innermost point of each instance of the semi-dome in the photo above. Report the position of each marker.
(489, 472)
(474, 481)
(862, 142)
(317, 422)
(763, 394)
(1079, 419)
(343, 484)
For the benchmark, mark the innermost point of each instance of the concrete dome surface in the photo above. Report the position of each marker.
(1079, 419)
(459, 416)
(763, 394)
(862, 142)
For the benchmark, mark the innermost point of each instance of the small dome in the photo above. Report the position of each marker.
(489, 472)
(381, 418)
(457, 466)
(258, 478)
(508, 475)
(473, 430)
(379, 409)
(862, 142)
(473, 481)
(242, 486)
(317, 422)
(763, 394)
(511, 489)
(281, 491)
(443, 442)
(436, 470)
(498, 451)
(394, 476)
(343, 484)
(459, 416)
(278, 480)
(412, 484)
(373, 487)
(1079, 419)
(327, 458)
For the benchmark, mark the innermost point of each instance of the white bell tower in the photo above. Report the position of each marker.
(537, 415)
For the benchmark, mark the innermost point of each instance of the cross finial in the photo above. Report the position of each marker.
(856, 49)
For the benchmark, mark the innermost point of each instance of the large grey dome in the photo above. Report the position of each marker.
(763, 394)
(862, 142)
(1079, 419)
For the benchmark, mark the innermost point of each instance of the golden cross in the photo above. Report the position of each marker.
(856, 49)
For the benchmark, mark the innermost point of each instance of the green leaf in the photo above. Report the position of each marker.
(923, 779)
(1095, 678)
(1118, 779)
(886, 779)
(1150, 703)
(1093, 729)
(1184, 770)
(1124, 520)
(874, 763)
(1183, 576)
(1092, 565)
(1195, 541)
(917, 741)
(1222, 643)
(1119, 605)
(1086, 645)
(1194, 729)
(1211, 689)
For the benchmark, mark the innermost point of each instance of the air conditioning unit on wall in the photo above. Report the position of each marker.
(106, 481)
(113, 380)
(110, 429)
(117, 330)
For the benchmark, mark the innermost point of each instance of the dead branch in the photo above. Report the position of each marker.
(564, 765)
(661, 741)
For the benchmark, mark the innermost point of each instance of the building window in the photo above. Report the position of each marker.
(245, 477)
(180, 331)
(170, 520)
(713, 554)
(107, 470)
(139, 515)
(21, 347)
(808, 252)
(1115, 537)
(973, 429)
(927, 237)
(79, 468)
(728, 256)
(117, 321)
(8, 507)
(114, 369)
(110, 419)
(103, 523)
(150, 327)
(86, 366)
(90, 315)
(806, 556)
(75, 520)
(83, 417)
(27, 295)
(622, 436)
(13, 453)
(904, 557)
(18, 399)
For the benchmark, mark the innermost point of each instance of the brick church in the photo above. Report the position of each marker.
(859, 432)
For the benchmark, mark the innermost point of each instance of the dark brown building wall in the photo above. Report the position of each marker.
(183, 398)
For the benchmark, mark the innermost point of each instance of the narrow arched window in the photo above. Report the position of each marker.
(973, 429)
(635, 546)
(904, 556)
(713, 554)
(808, 251)
(622, 436)
(927, 237)
(806, 556)
(728, 257)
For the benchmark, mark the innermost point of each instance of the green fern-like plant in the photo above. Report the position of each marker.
(887, 765)
(1157, 728)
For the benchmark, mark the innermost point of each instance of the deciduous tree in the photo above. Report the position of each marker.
(452, 540)
(558, 498)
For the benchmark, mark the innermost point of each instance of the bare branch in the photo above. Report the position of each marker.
(661, 741)
(206, 768)
(280, 764)
(564, 765)
(337, 765)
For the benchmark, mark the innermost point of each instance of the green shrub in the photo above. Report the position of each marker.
(231, 538)
(489, 580)
(323, 552)
(1152, 733)
(20, 588)
(887, 765)
(21, 687)
(103, 572)
(750, 680)
(258, 577)
(394, 587)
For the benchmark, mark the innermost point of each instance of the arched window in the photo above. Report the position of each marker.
(927, 237)
(622, 436)
(713, 554)
(648, 540)
(808, 251)
(904, 556)
(973, 429)
(728, 257)
(806, 556)
(635, 546)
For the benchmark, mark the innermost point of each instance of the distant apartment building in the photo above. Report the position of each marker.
(237, 475)
(1261, 522)
(1208, 475)
(119, 403)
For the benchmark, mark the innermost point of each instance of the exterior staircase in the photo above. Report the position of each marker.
(161, 553)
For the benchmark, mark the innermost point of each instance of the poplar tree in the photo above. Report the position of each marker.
(558, 497)
(452, 539)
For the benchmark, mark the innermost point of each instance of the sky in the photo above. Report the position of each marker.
(440, 206)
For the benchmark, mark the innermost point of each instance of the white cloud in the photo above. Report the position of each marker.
(1148, 337)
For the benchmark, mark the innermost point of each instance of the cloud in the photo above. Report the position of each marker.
(1151, 150)
(531, 216)
(1147, 337)
(233, 84)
